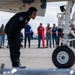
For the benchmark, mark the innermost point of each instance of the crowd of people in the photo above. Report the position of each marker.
(52, 35)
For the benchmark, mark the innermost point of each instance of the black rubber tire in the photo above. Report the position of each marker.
(67, 50)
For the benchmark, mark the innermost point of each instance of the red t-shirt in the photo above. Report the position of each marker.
(40, 30)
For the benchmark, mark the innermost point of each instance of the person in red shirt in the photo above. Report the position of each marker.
(40, 31)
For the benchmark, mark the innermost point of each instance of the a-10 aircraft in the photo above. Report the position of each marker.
(63, 56)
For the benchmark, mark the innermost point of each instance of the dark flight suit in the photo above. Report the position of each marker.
(13, 29)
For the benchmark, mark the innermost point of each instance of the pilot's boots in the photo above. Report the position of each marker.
(18, 65)
(22, 67)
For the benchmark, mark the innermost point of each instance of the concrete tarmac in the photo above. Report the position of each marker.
(32, 58)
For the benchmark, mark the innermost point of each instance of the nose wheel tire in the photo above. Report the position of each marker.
(63, 57)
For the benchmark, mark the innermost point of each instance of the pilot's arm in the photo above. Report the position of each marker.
(15, 26)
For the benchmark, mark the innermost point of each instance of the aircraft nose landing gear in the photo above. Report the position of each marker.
(63, 57)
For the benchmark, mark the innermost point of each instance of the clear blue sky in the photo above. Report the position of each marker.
(50, 16)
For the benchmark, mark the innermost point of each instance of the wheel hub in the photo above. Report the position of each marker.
(62, 57)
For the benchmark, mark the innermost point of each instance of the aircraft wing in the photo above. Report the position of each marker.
(15, 6)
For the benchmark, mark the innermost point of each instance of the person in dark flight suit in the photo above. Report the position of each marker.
(13, 29)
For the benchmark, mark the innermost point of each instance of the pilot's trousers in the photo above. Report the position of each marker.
(14, 47)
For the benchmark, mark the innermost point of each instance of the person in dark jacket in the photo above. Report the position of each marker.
(13, 29)
(27, 35)
(54, 34)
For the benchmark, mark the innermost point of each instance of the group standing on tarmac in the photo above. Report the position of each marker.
(52, 35)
